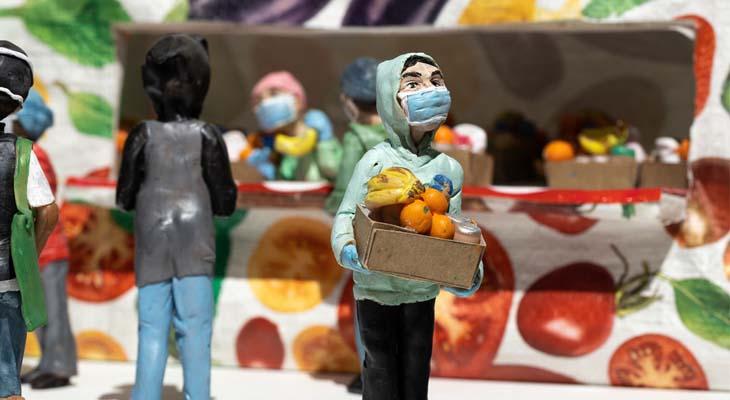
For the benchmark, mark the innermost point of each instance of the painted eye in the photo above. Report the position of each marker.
(437, 82)
(412, 85)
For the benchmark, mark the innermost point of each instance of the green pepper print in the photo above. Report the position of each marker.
(179, 12)
(601, 9)
(725, 96)
(78, 29)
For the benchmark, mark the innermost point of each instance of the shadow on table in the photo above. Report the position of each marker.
(124, 392)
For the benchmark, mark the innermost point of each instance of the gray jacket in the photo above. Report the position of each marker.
(176, 175)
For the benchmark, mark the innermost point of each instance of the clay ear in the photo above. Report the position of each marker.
(203, 41)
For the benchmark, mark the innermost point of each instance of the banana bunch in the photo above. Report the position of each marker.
(296, 146)
(599, 141)
(393, 185)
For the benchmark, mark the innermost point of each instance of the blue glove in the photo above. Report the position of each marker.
(474, 286)
(351, 261)
(259, 158)
(442, 184)
(318, 120)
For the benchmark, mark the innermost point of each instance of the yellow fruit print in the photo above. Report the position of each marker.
(570, 9)
(41, 88)
(481, 12)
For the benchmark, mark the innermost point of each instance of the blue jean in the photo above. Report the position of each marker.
(188, 304)
(12, 343)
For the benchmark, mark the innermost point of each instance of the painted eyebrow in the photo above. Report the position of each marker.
(411, 74)
(437, 73)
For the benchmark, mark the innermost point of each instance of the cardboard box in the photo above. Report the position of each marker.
(397, 251)
(616, 173)
(245, 173)
(656, 174)
(478, 168)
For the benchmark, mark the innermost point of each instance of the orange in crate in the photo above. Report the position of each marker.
(416, 216)
(436, 201)
(683, 150)
(442, 227)
(444, 135)
(558, 150)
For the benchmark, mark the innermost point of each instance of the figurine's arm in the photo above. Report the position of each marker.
(42, 202)
(329, 149)
(46, 218)
(353, 151)
(342, 231)
(217, 172)
(131, 172)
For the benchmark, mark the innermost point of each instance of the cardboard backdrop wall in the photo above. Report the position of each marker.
(641, 73)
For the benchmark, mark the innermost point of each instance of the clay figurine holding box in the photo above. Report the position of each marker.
(176, 175)
(396, 315)
(27, 218)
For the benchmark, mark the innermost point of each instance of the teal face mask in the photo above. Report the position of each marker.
(426, 108)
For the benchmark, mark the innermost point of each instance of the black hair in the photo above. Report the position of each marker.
(369, 107)
(16, 75)
(413, 60)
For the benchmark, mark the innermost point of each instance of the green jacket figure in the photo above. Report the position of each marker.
(365, 129)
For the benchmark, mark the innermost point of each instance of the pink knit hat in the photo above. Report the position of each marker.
(282, 80)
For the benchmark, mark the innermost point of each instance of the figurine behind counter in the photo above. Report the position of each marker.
(27, 217)
(175, 174)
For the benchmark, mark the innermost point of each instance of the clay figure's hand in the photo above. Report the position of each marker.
(476, 283)
(259, 158)
(351, 261)
(321, 123)
(442, 184)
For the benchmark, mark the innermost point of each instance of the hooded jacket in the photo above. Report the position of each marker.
(398, 150)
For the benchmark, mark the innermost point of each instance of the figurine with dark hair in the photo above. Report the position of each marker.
(27, 218)
(396, 315)
(58, 346)
(176, 175)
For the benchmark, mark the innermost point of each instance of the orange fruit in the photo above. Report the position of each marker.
(442, 227)
(558, 150)
(436, 201)
(416, 216)
(444, 135)
(683, 149)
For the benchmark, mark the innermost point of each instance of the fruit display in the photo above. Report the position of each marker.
(600, 141)
(397, 197)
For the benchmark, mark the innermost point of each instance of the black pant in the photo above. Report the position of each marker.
(397, 341)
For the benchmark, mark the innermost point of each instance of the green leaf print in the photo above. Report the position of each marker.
(704, 308)
(725, 96)
(179, 12)
(600, 9)
(90, 113)
(78, 29)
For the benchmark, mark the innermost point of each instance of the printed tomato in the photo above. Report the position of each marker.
(708, 216)
(346, 315)
(101, 262)
(704, 56)
(259, 345)
(292, 268)
(321, 349)
(564, 219)
(654, 360)
(524, 373)
(569, 311)
(97, 345)
(468, 331)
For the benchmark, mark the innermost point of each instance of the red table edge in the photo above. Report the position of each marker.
(547, 195)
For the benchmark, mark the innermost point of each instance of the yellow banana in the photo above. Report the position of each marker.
(296, 146)
(394, 185)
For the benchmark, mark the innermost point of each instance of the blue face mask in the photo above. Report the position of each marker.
(276, 111)
(427, 107)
